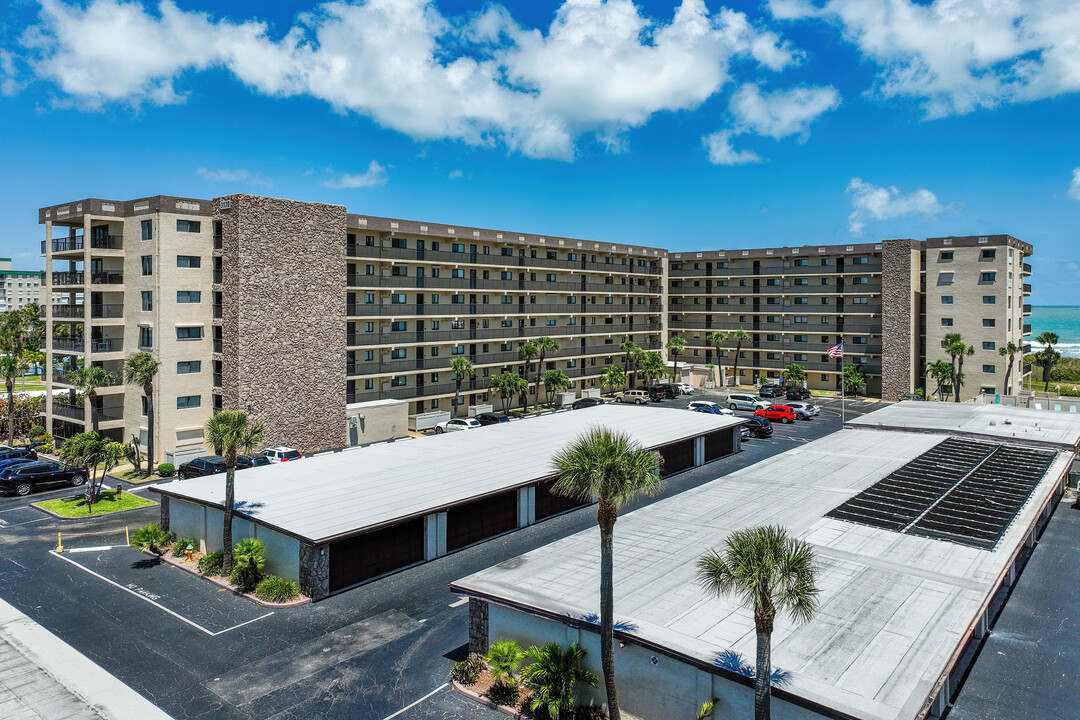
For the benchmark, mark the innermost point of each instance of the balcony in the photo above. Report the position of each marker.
(68, 311)
(107, 242)
(68, 278)
(1027, 288)
(69, 345)
(461, 258)
(1027, 268)
(107, 345)
(63, 377)
(107, 278)
(62, 409)
(110, 310)
(106, 414)
(459, 309)
(402, 337)
(67, 244)
(1027, 329)
(1027, 309)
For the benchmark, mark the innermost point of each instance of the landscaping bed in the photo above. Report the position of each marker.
(192, 566)
(107, 502)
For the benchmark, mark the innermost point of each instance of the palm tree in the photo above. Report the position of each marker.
(235, 433)
(740, 336)
(87, 380)
(950, 344)
(543, 344)
(1010, 350)
(653, 367)
(794, 374)
(1049, 356)
(941, 373)
(716, 339)
(11, 367)
(552, 676)
(140, 369)
(629, 349)
(528, 352)
(613, 377)
(958, 350)
(508, 385)
(462, 368)
(555, 381)
(675, 345)
(606, 466)
(637, 359)
(503, 659)
(770, 572)
(853, 379)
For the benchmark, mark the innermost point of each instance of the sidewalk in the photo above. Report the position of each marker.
(44, 678)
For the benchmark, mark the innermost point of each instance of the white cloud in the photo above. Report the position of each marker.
(374, 176)
(722, 153)
(456, 174)
(1074, 186)
(9, 76)
(599, 69)
(234, 176)
(882, 203)
(959, 55)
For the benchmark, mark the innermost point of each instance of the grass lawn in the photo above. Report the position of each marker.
(129, 473)
(33, 382)
(77, 507)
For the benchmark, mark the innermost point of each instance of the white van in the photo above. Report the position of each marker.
(737, 401)
(638, 397)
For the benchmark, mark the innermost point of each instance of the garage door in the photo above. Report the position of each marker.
(718, 443)
(481, 519)
(548, 503)
(677, 456)
(376, 553)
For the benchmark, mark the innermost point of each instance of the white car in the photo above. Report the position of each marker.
(803, 411)
(686, 388)
(280, 454)
(708, 404)
(457, 424)
(739, 401)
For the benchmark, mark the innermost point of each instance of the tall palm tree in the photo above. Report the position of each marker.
(555, 381)
(628, 350)
(11, 367)
(770, 572)
(543, 345)
(235, 433)
(608, 467)
(675, 345)
(653, 367)
(528, 352)
(87, 380)
(740, 336)
(462, 368)
(716, 339)
(637, 359)
(508, 385)
(951, 344)
(958, 350)
(941, 373)
(1010, 350)
(1047, 340)
(613, 377)
(794, 374)
(140, 369)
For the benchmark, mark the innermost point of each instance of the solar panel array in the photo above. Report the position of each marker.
(959, 490)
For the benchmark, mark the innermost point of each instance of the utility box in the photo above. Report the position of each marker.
(590, 392)
(475, 410)
(564, 398)
(428, 420)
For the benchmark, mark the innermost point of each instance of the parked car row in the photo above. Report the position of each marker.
(215, 464)
(469, 423)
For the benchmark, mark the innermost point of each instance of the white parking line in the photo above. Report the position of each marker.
(175, 614)
(412, 705)
(99, 548)
(459, 603)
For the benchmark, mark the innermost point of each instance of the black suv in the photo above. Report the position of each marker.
(586, 402)
(759, 427)
(492, 418)
(243, 462)
(656, 393)
(18, 454)
(770, 391)
(21, 479)
(798, 394)
(201, 466)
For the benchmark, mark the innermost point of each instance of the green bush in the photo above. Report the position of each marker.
(503, 659)
(274, 589)
(211, 563)
(467, 672)
(47, 448)
(247, 572)
(501, 694)
(589, 712)
(180, 546)
(166, 469)
(151, 537)
(552, 677)
(36, 430)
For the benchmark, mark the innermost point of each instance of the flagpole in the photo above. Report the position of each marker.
(843, 393)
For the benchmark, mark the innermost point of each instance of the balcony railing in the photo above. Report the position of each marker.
(110, 413)
(69, 311)
(63, 377)
(217, 276)
(107, 278)
(68, 344)
(64, 244)
(109, 310)
(75, 412)
(1027, 329)
(68, 278)
(1027, 268)
(1027, 288)
(1027, 309)
(217, 311)
(458, 309)
(494, 334)
(462, 258)
(217, 345)
(107, 345)
(107, 242)
(217, 379)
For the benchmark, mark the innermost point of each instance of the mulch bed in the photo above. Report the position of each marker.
(192, 567)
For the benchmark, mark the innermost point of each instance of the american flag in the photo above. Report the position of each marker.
(837, 350)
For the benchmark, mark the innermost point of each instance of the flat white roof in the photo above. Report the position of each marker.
(326, 496)
(894, 607)
(1003, 423)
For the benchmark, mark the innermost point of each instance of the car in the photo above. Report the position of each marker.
(21, 479)
(4, 464)
(744, 432)
(280, 454)
(243, 462)
(656, 393)
(782, 413)
(709, 403)
(638, 397)
(456, 425)
(492, 418)
(202, 466)
(759, 427)
(586, 402)
(672, 390)
(803, 411)
(769, 390)
(738, 401)
(17, 453)
(797, 394)
(686, 388)
(708, 409)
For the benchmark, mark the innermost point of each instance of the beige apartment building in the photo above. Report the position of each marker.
(210, 288)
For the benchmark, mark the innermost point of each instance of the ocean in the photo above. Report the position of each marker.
(1063, 320)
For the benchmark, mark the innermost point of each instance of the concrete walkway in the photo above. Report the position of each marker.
(44, 678)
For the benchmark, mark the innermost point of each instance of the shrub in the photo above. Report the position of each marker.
(247, 572)
(151, 537)
(501, 694)
(552, 676)
(47, 448)
(589, 712)
(274, 589)
(467, 672)
(503, 658)
(36, 430)
(180, 546)
(166, 469)
(211, 563)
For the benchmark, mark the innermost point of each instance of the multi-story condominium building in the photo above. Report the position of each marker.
(19, 287)
(210, 288)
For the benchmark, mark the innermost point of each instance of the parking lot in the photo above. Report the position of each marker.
(379, 651)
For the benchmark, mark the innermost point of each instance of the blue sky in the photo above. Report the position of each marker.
(693, 126)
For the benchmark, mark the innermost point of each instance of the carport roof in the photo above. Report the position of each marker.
(328, 496)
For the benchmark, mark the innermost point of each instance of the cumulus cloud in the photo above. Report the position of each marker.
(1074, 186)
(456, 174)
(374, 176)
(234, 176)
(9, 76)
(871, 202)
(959, 55)
(601, 68)
(722, 153)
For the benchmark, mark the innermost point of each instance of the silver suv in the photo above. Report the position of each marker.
(737, 401)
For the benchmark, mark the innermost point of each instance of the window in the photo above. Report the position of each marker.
(189, 333)
(773, 281)
(859, 340)
(369, 355)
(772, 301)
(861, 260)
(188, 261)
(401, 243)
(824, 281)
(824, 319)
(989, 322)
(802, 338)
(398, 298)
(507, 275)
(399, 271)
(188, 296)
(989, 369)
(188, 401)
(946, 322)
(398, 354)
(801, 357)
(801, 301)
(457, 273)
(860, 281)
(772, 318)
(145, 403)
(509, 299)
(772, 356)
(802, 281)
(801, 319)
(369, 384)
(989, 299)
(434, 325)
(946, 300)
(369, 240)
(369, 298)
(457, 299)
(507, 252)
(801, 262)
(398, 381)
(989, 345)
(457, 324)
(147, 265)
(397, 325)
(988, 277)
(187, 367)
(147, 229)
(457, 350)
(945, 256)
(147, 301)
(550, 321)
(945, 278)
(188, 226)
(988, 254)
(146, 337)
(551, 277)
(457, 247)
(370, 327)
(824, 261)
(434, 299)
(772, 338)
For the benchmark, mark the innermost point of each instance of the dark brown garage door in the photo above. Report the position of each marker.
(677, 456)
(475, 521)
(548, 503)
(366, 556)
(718, 443)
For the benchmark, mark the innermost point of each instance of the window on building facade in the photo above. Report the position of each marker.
(147, 229)
(188, 226)
(189, 333)
(188, 296)
(987, 277)
(946, 300)
(989, 299)
(188, 367)
(989, 345)
(188, 261)
(989, 322)
(989, 369)
(188, 401)
(146, 337)
(147, 300)
(147, 265)
(988, 254)
(946, 322)
(801, 319)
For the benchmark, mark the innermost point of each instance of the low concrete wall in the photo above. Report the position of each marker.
(376, 421)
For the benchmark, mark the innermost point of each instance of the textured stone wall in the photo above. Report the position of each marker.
(163, 503)
(898, 305)
(283, 318)
(478, 626)
(315, 570)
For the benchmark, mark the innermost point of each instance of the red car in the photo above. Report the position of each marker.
(782, 413)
